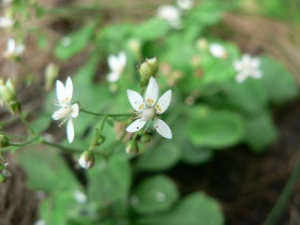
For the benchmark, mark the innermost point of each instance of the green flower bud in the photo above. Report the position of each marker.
(148, 69)
(4, 142)
(7, 91)
(145, 138)
(100, 140)
(15, 107)
(132, 147)
(87, 159)
(51, 74)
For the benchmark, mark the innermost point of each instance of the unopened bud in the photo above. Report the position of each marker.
(7, 91)
(4, 142)
(100, 140)
(87, 159)
(145, 138)
(132, 147)
(148, 69)
(51, 74)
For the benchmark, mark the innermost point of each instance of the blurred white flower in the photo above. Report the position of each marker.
(13, 50)
(66, 41)
(64, 95)
(40, 222)
(6, 22)
(6, 2)
(247, 67)
(185, 4)
(117, 65)
(217, 50)
(171, 14)
(80, 197)
(150, 108)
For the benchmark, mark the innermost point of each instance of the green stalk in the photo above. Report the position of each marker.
(278, 208)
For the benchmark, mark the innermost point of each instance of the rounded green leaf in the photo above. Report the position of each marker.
(161, 157)
(215, 129)
(155, 194)
(195, 209)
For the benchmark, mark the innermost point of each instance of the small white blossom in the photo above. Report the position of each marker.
(150, 108)
(80, 197)
(13, 49)
(67, 111)
(185, 4)
(6, 22)
(217, 50)
(171, 14)
(247, 67)
(117, 65)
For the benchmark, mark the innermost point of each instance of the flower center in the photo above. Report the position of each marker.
(148, 114)
(64, 112)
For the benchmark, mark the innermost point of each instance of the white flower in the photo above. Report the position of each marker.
(185, 4)
(6, 2)
(150, 108)
(80, 197)
(217, 50)
(13, 49)
(67, 111)
(171, 14)
(6, 22)
(117, 65)
(247, 67)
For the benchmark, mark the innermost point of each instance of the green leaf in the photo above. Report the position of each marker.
(110, 122)
(194, 209)
(109, 181)
(76, 42)
(151, 29)
(248, 97)
(195, 156)
(277, 81)
(155, 194)
(214, 129)
(161, 157)
(260, 131)
(46, 165)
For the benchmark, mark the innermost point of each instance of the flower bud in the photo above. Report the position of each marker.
(132, 147)
(7, 91)
(145, 138)
(51, 73)
(100, 140)
(87, 159)
(4, 142)
(148, 69)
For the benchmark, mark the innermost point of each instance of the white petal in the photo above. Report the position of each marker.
(60, 90)
(113, 62)
(113, 77)
(162, 128)
(256, 62)
(163, 102)
(69, 88)
(151, 94)
(237, 65)
(122, 59)
(75, 110)
(11, 45)
(19, 49)
(135, 100)
(240, 77)
(70, 130)
(136, 125)
(257, 74)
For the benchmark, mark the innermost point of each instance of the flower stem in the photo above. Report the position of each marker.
(98, 134)
(24, 143)
(104, 114)
(61, 147)
(27, 125)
